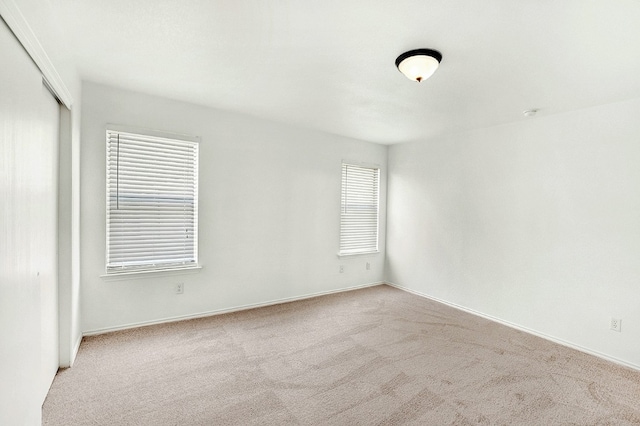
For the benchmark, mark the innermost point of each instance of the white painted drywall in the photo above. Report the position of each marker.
(28, 236)
(269, 212)
(536, 223)
(69, 234)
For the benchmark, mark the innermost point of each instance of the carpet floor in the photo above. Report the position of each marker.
(376, 356)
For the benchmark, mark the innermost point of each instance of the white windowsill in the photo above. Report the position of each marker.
(127, 275)
(358, 254)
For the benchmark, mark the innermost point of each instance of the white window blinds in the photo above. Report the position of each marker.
(359, 210)
(152, 202)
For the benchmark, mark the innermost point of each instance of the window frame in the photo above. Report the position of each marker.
(155, 265)
(344, 186)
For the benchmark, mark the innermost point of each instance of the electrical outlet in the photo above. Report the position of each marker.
(179, 288)
(341, 268)
(368, 266)
(616, 324)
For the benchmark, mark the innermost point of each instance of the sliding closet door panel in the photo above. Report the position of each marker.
(29, 119)
(46, 162)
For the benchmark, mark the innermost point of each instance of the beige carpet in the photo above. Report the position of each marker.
(372, 356)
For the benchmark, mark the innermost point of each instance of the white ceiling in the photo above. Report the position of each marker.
(329, 64)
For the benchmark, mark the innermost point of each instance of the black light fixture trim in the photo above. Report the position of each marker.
(416, 52)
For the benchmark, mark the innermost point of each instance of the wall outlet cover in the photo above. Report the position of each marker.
(616, 324)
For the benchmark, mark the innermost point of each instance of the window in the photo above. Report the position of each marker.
(359, 210)
(152, 202)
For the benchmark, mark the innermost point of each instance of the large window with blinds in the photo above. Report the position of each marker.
(359, 209)
(152, 202)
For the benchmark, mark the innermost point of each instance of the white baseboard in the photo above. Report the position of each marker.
(519, 327)
(222, 311)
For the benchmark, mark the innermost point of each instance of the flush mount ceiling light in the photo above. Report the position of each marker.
(419, 64)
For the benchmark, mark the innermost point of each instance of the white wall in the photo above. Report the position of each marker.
(69, 234)
(269, 212)
(536, 223)
(28, 236)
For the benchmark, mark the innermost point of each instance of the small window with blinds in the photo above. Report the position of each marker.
(359, 210)
(152, 203)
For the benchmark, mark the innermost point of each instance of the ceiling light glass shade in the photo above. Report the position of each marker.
(419, 64)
